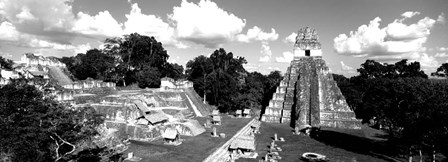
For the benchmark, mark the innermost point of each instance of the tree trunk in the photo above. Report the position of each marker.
(410, 154)
(421, 156)
(205, 92)
(433, 153)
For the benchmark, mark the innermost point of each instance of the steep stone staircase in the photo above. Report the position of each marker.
(205, 109)
(57, 74)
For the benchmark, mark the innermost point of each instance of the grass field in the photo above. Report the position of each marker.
(337, 144)
(193, 149)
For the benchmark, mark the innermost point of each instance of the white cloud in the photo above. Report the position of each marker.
(428, 63)
(150, 25)
(101, 24)
(266, 52)
(291, 38)
(205, 23)
(83, 48)
(174, 59)
(400, 31)
(441, 55)
(287, 57)
(443, 49)
(410, 14)
(25, 15)
(346, 67)
(51, 20)
(257, 34)
(395, 41)
(8, 32)
(251, 67)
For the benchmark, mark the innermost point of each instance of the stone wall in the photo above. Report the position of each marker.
(88, 84)
(31, 59)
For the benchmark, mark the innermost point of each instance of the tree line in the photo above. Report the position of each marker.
(400, 99)
(131, 59)
(142, 60)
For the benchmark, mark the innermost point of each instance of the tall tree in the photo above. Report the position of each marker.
(218, 77)
(37, 128)
(134, 52)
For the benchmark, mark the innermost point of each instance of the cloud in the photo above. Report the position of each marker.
(51, 20)
(151, 25)
(8, 32)
(251, 67)
(205, 23)
(101, 24)
(441, 55)
(5, 54)
(346, 67)
(174, 59)
(428, 63)
(266, 52)
(442, 49)
(257, 34)
(410, 14)
(441, 18)
(287, 57)
(395, 41)
(25, 15)
(291, 38)
(83, 48)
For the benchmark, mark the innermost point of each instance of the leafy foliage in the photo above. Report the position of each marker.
(372, 69)
(37, 128)
(6, 63)
(94, 64)
(148, 77)
(124, 61)
(224, 82)
(134, 53)
(401, 100)
(442, 71)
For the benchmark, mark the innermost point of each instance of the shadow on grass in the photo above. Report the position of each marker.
(357, 144)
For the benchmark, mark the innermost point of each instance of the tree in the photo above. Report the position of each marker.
(412, 109)
(372, 69)
(94, 64)
(37, 128)
(197, 71)
(6, 63)
(173, 70)
(219, 77)
(134, 52)
(148, 77)
(442, 71)
(370, 73)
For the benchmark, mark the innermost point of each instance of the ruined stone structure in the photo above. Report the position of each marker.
(169, 83)
(308, 95)
(30, 59)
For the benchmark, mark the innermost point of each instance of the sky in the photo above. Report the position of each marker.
(261, 31)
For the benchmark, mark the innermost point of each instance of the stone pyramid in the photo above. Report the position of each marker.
(308, 95)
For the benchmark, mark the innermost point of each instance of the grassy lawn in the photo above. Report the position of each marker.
(192, 149)
(336, 144)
